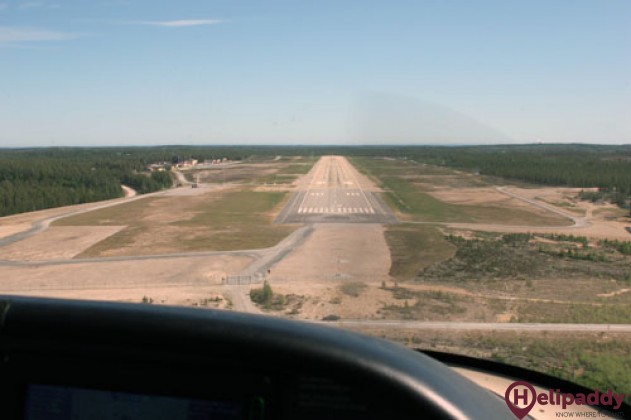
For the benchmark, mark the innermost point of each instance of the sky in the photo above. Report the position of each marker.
(118, 72)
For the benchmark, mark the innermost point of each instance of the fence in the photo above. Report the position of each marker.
(237, 280)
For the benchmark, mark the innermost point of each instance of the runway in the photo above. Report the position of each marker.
(334, 195)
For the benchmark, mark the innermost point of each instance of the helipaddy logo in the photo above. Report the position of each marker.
(520, 397)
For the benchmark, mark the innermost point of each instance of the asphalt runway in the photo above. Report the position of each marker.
(334, 195)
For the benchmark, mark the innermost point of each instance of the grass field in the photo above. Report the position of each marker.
(406, 191)
(276, 179)
(289, 172)
(415, 247)
(223, 220)
(612, 212)
(123, 214)
(298, 168)
(240, 220)
(604, 313)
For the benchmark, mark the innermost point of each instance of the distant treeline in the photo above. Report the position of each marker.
(40, 178)
(33, 179)
(44, 178)
(607, 168)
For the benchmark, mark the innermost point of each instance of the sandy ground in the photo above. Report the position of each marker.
(337, 252)
(477, 196)
(200, 190)
(552, 193)
(108, 278)
(128, 191)
(487, 196)
(598, 229)
(235, 173)
(7, 230)
(322, 299)
(57, 243)
(596, 219)
(33, 216)
(201, 296)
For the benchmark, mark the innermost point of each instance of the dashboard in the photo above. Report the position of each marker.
(63, 359)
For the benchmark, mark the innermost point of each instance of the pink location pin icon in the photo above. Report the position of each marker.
(529, 394)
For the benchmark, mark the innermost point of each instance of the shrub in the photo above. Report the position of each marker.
(353, 289)
(262, 296)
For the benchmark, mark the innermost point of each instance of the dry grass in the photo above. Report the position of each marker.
(408, 189)
(414, 247)
(223, 220)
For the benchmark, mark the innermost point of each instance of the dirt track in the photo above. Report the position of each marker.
(588, 224)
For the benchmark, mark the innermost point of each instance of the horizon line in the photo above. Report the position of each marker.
(318, 145)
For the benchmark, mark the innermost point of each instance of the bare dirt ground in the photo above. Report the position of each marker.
(243, 173)
(214, 297)
(319, 300)
(201, 296)
(471, 196)
(26, 219)
(602, 221)
(57, 243)
(8, 230)
(337, 252)
(110, 280)
(563, 197)
(129, 192)
(598, 221)
(200, 190)
(594, 220)
(334, 255)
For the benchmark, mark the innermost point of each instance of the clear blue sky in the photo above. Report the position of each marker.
(104, 72)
